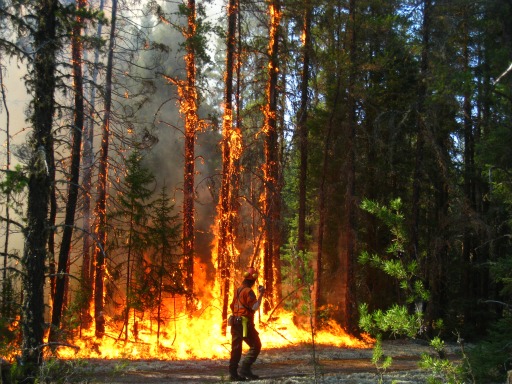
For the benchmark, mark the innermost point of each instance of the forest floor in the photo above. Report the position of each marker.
(290, 365)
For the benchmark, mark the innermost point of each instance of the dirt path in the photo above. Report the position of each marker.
(286, 365)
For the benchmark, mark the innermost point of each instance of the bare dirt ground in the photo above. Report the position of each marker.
(291, 365)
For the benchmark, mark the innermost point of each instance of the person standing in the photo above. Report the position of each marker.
(244, 306)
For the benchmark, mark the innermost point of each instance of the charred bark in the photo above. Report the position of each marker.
(87, 272)
(189, 108)
(271, 214)
(69, 221)
(303, 129)
(101, 203)
(36, 234)
(231, 152)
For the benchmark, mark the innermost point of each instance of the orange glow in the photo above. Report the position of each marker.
(198, 337)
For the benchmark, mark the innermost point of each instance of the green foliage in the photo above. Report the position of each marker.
(15, 181)
(58, 371)
(296, 273)
(491, 358)
(396, 263)
(51, 371)
(129, 234)
(392, 218)
(381, 362)
(441, 369)
(501, 270)
(164, 240)
(395, 321)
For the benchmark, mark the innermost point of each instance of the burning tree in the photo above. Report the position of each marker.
(231, 153)
(78, 125)
(271, 185)
(101, 202)
(188, 104)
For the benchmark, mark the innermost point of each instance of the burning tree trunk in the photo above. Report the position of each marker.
(188, 106)
(271, 195)
(36, 234)
(87, 273)
(101, 203)
(69, 221)
(231, 152)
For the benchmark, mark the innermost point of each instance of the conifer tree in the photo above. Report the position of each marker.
(167, 273)
(128, 222)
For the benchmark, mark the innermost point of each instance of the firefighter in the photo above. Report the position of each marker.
(243, 307)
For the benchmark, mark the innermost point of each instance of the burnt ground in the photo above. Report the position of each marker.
(291, 365)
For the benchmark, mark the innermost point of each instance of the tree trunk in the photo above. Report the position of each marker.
(36, 234)
(69, 221)
(87, 273)
(231, 152)
(303, 131)
(51, 223)
(189, 108)
(101, 203)
(4, 298)
(347, 305)
(271, 214)
(420, 126)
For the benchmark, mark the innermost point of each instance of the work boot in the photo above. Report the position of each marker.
(234, 376)
(246, 372)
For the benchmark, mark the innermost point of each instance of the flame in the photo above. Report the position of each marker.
(200, 334)
(199, 337)
(196, 336)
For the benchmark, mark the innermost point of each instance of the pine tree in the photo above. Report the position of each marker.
(128, 222)
(167, 272)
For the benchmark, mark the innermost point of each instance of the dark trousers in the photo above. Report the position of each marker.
(252, 340)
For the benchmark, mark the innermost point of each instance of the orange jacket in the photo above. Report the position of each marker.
(243, 301)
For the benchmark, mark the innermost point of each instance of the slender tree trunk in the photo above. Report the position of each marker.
(101, 203)
(4, 298)
(128, 281)
(51, 223)
(87, 273)
(160, 292)
(69, 221)
(420, 126)
(303, 129)
(36, 234)
(231, 152)
(189, 108)
(346, 305)
(271, 196)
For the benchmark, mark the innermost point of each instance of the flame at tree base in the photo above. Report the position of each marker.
(199, 337)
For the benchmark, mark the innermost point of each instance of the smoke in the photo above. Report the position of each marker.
(161, 116)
